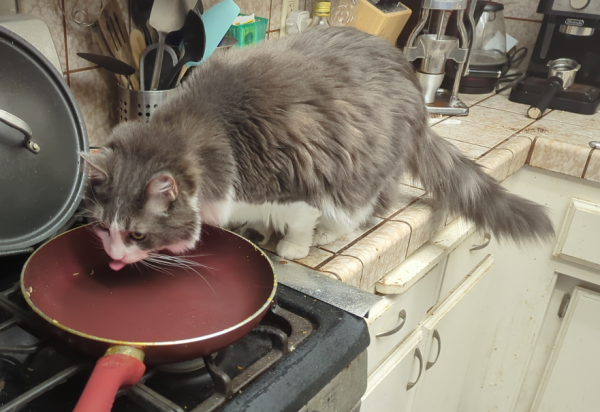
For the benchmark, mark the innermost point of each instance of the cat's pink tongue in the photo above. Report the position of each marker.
(116, 265)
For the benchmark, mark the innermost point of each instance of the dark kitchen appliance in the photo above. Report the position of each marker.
(488, 53)
(297, 349)
(570, 30)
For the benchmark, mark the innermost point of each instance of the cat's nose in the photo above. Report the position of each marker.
(116, 253)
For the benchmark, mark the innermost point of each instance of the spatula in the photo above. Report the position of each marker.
(166, 17)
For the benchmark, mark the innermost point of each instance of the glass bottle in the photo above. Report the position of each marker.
(321, 10)
(343, 12)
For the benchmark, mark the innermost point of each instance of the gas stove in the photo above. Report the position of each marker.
(296, 356)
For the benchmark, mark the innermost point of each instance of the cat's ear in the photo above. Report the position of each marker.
(95, 161)
(161, 191)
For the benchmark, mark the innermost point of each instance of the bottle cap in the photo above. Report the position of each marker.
(322, 8)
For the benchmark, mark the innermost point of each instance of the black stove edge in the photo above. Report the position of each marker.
(338, 339)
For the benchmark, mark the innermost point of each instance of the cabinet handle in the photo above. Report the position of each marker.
(402, 316)
(436, 336)
(487, 238)
(420, 358)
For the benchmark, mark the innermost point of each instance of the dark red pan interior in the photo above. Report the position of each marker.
(72, 283)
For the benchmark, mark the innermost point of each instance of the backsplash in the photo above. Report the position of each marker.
(95, 89)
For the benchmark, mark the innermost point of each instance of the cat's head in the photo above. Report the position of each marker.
(141, 203)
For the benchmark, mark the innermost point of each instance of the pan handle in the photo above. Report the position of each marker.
(20, 125)
(120, 366)
(537, 110)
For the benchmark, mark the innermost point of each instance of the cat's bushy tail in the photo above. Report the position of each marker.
(463, 188)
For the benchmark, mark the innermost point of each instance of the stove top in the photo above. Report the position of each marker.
(299, 347)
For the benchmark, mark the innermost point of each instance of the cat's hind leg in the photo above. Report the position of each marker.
(297, 221)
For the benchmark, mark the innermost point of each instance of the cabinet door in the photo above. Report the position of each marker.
(391, 386)
(571, 379)
(451, 331)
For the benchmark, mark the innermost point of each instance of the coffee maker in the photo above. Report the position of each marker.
(436, 49)
(570, 31)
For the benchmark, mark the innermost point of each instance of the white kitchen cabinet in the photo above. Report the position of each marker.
(570, 382)
(395, 316)
(391, 386)
(450, 333)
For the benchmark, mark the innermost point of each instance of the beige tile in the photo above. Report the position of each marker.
(273, 35)
(559, 157)
(49, 12)
(261, 8)
(209, 3)
(519, 146)
(501, 102)
(344, 241)
(381, 251)
(470, 150)
(407, 195)
(348, 269)
(526, 33)
(586, 121)
(309, 6)
(424, 224)
(498, 118)
(471, 99)
(315, 257)
(523, 9)
(409, 180)
(96, 92)
(593, 170)
(563, 132)
(474, 133)
(275, 19)
(436, 118)
(497, 163)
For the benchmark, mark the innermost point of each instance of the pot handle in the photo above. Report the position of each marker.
(121, 366)
(17, 123)
(537, 110)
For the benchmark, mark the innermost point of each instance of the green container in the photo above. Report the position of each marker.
(249, 33)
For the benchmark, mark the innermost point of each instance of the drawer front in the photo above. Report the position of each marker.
(579, 236)
(462, 261)
(391, 387)
(398, 315)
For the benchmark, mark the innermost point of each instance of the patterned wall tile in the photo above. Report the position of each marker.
(526, 33)
(523, 9)
(275, 19)
(52, 16)
(559, 157)
(260, 8)
(96, 93)
(79, 39)
(274, 35)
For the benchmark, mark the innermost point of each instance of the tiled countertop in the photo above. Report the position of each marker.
(496, 134)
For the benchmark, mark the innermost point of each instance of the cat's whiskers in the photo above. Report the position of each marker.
(175, 261)
(155, 267)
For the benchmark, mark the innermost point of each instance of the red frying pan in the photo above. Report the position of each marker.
(141, 314)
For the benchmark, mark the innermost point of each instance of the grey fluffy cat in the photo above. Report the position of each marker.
(307, 136)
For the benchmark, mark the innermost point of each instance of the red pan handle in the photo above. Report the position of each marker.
(121, 366)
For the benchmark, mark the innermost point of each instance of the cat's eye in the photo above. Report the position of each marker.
(137, 236)
(103, 226)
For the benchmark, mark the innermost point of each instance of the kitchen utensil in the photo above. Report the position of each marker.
(140, 13)
(114, 31)
(68, 282)
(165, 18)
(176, 37)
(194, 42)
(561, 74)
(147, 64)
(138, 45)
(140, 105)
(41, 185)
(428, 48)
(109, 63)
(217, 21)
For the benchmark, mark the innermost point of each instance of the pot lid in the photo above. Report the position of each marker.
(41, 182)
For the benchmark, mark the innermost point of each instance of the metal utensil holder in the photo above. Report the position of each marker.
(137, 105)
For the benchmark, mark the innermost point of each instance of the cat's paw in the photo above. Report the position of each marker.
(324, 237)
(289, 250)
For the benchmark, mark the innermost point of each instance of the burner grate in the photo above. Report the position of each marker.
(214, 379)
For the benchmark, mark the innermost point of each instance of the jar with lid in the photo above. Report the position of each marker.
(321, 11)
